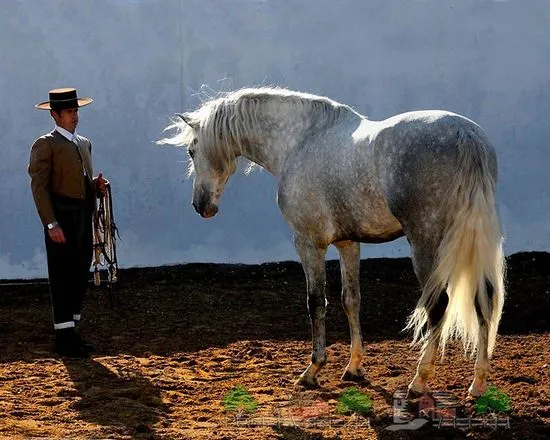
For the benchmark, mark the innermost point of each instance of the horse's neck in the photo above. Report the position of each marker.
(279, 129)
(269, 153)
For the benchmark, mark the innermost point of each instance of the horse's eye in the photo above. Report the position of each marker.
(195, 141)
(191, 153)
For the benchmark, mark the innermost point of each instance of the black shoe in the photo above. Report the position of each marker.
(68, 345)
(85, 345)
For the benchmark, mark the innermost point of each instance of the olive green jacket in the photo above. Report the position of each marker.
(56, 168)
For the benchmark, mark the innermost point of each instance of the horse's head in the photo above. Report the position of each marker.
(210, 165)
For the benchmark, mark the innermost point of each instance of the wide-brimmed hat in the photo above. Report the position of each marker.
(61, 99)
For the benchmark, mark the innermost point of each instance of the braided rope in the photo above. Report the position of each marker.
(105, 235)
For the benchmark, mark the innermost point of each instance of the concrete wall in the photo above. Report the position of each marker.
(144, 60)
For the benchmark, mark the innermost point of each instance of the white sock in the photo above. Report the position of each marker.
(63, 325)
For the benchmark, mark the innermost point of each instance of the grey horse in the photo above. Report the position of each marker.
(345, 179)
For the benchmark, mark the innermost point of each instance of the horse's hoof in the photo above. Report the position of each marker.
(475, 391)
(307, 381)
(414, 394)
(348, 375)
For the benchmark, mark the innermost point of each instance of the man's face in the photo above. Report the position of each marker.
(66, 118)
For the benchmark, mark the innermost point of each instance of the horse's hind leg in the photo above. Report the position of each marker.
(479, 385)
(351, 301)
(426, 366)
(423, 258)
(313, 261)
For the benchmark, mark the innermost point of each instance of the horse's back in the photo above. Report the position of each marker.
(417, 157)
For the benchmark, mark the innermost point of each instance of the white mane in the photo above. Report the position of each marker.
(227, 122)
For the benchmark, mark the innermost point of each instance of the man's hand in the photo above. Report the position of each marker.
(101, 184)
(56, 234)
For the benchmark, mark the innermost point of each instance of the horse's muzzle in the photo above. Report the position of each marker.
(206, 210)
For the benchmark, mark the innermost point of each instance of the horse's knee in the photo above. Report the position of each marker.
(316, 304)
(350, 300)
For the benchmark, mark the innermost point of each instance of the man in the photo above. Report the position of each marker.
(64, 192)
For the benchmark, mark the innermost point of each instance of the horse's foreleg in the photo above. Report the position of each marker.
(351, 301)
(313, 261)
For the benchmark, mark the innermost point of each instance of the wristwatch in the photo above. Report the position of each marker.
(52, 225)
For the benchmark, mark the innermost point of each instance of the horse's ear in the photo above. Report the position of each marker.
(185, 118)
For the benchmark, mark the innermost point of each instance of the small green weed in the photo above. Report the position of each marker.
(239, 400)
(354, 401)
(493, 401)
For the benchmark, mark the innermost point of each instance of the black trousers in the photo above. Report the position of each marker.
(69, 262)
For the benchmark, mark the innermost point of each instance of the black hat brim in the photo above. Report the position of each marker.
(46, 104)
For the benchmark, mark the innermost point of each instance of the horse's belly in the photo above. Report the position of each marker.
(376, 225)
(371, 235)
(379, 237)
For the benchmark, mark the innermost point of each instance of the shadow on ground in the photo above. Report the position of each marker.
(173, 309)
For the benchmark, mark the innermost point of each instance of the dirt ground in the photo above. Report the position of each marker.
(182, 336)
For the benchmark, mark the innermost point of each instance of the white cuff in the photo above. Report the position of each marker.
(63, 325)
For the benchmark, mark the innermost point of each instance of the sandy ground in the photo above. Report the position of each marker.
(182, 336)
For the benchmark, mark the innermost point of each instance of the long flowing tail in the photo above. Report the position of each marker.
(469, 263)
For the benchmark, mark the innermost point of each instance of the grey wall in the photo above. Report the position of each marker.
(144, 60)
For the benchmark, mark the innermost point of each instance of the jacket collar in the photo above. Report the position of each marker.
(65, 133)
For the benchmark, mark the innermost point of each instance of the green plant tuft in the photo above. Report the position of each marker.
(239, 400)
(493, 401)
(354, 401)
